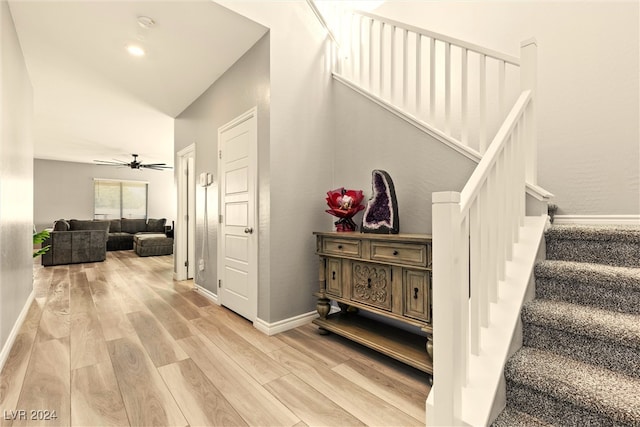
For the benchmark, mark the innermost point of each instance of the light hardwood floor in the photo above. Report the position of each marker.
(121, 343)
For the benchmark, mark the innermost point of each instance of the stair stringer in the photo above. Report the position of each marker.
(484, 397)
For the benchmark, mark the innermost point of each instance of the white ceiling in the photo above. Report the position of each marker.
(93, 100)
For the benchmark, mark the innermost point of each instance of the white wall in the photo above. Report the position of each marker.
(244, 86)
(589, 149)
(16, 177)
(65, 190)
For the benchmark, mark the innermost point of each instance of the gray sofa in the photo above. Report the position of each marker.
(76, 241)
(121, 231)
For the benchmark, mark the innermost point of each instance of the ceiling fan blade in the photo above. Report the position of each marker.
(156, 167)
(155, 164)
(108, 162)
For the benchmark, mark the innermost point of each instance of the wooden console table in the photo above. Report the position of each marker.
(389, 275)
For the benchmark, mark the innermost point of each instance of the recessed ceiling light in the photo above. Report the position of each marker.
(145, 22)
(135, 50)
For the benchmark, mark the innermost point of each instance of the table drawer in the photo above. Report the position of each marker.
(416, 295)
(371, 284)
(344, 247)
(400, 253)
(334, 277)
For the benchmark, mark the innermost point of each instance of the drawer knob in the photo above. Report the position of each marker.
(395, 252)
(415, 293)
(339, 246)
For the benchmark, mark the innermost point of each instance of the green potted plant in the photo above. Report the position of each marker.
(39, 238)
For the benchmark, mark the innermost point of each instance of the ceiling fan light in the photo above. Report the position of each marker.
(135, 50)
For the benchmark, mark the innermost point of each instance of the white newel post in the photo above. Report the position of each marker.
(528, 81)
(447, 354)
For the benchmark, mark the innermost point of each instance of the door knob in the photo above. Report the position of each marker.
(248, 230)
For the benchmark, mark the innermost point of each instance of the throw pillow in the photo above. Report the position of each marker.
(156, 225)
(60, 225)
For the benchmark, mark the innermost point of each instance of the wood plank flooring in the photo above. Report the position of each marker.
(121, 343)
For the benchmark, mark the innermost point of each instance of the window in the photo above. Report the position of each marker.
(119, 199)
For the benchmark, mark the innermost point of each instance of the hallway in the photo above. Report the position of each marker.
(121, 343)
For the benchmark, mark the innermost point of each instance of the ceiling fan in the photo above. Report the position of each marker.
(134, 164)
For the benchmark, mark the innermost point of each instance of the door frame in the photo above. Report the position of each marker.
(251, 114)
(185, 213)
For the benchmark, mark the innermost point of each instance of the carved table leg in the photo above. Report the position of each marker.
(430, 346)
(323, 307)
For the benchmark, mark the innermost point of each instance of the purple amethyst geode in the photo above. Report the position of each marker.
(381, 213)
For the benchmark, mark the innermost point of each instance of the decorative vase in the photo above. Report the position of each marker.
(345, 225)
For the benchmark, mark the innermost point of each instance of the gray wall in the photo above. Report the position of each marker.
(65, 190)
(588, 85)
(244, 86)
(369, 137)
(16, 177)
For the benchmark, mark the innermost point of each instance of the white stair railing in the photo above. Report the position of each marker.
(474, 233)
(459, 88)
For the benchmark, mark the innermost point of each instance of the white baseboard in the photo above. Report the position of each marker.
(285, 324)
(290, 323)
(6, 348)
(207, 294)
(597, 219)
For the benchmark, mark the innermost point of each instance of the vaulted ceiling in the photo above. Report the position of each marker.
(93, 100)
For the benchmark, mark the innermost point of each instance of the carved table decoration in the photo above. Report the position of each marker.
(344, 204)
(381, 213)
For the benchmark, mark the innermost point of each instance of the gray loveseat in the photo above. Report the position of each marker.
(76, 241)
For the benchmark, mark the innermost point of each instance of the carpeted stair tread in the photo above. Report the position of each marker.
(603, 286)
(611, 245)
(513, 418)
(602, 233)
(581, 385)
(612, 277)
(605, 325)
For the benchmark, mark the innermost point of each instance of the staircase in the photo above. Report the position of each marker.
(482, 104)
(580, 360)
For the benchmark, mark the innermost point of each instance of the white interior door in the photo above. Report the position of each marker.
(238, 288)
(191, 217)
(185, 225)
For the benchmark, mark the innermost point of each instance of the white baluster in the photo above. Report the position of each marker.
(361, 47)
(392, 71)
(447, 88)
(464, 96)
(482, 104)
(405, 69)
(381, 41)
(432, 80)
(509, 196)
(475, 274)
(463, 309)
(371, 54)
(418, 75)
(493, 225)
(502, 95)
(528, 81)
(485, 212)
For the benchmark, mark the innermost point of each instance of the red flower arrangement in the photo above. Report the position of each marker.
(344, 204)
